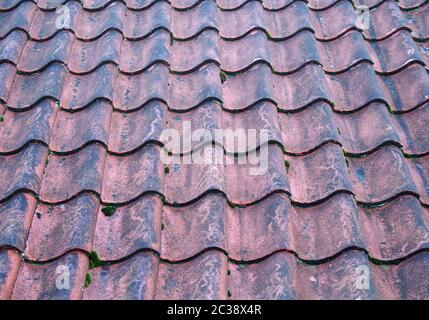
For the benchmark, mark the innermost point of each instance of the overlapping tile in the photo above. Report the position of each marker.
(81, 137)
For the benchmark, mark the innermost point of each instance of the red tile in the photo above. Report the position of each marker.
(419, 170)
(9, 266)
(355, 88)
(318, 175)
(347, 106)
(260, 121)
(419, 22)
(61, 279)
(290, 95)
(187, 24)
(300, 49)
(203, 278)
(81, 90)
(256, 82)
(139, 55)
(272, 278)
(413, 130)
(224, 4)
(38, 54)
(19, 18)
(265, 176)
(73, 131)
(407, 89)
(395, 52)
(133, 227)
(11, 46)
(130, 131)
(140, 4)
(141, 24)
(423, 48)
(189, 55)
(192, 229)
(28, 90)
(380, 26)
(48, 4)
(408, 278)
(380, 176)
(19, 129)
(190, 90)
(67, 176)
(9, 4)
(341, 17)
(276, 4)
(128, 177)
(23, 170)
(133, 279)
(298, 16)
(282, 277)
(410, 4)
(85, 56)
(58, 229)
(209, 171)
(308, 129)
(16, 215)
(45, 25)
(7, 75)
(257, 231)
(128, 94)
(324, 230)
(399, 227)
(207, 116)
(365, 130)
(93, 24)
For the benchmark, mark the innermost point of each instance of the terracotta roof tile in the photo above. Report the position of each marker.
(92, 185)
(59, 229)
(43, 282)
(22, 171)
(67, 176)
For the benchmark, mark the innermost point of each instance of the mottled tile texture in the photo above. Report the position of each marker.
(92, 206)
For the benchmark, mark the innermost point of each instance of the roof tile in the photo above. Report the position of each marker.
(16, 216)
(45, 23)
(381, 176)
(22, 171)
(9, 266)
(202, 278)
(87, 56)
(73, 131)
(56, 230)
(131, 228)
(127, 177)
(67, 176)
(318, 175)
(36, 55)
(11, 46)
(133, 279)
(18, 129)
(47, 281)
(80, 90)
(28, 90)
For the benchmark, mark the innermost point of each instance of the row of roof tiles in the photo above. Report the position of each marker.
(384, 20)
(337, 56)
(309, 179)
(346, 92)
(44, 232)
(359, 133)
(213, 276)
(222, 4)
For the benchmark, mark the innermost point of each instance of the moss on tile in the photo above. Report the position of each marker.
(108, 210)
(88, 279)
